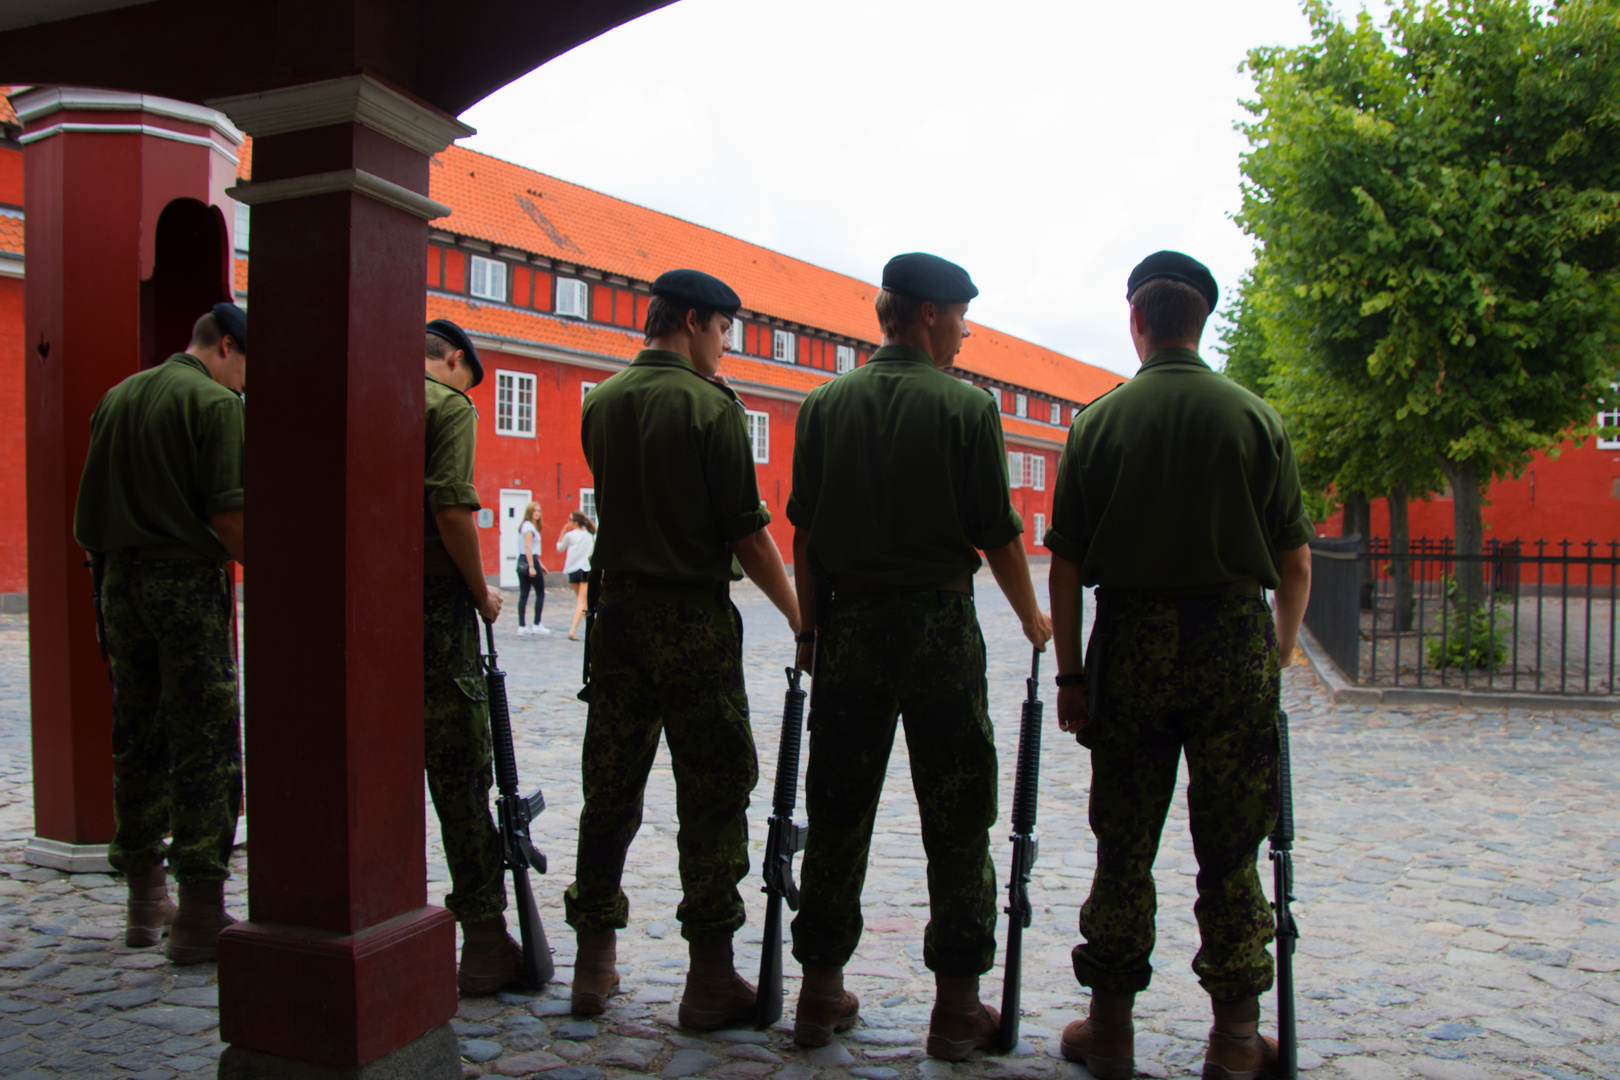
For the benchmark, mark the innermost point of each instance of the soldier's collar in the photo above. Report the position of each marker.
(185, 359)
(453, 390)
(664, 358)
(901, 352)
(1178, 357)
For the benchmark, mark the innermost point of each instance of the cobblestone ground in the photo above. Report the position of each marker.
(1457, 881)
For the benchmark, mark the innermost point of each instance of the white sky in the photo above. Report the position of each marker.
(1046, 146)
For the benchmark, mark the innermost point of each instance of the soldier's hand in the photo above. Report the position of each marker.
(490, 606)
(1071, 709)
(1039, 630)
(803, 658)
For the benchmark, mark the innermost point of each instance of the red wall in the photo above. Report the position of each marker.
(13, 437)
(1575, 496)
(1030, 501)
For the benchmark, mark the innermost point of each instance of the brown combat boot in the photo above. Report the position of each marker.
(1237, 1050)
(825, 1007)
(960, 1023)
(715, 995)
(595, 977)
(150, 909)
(194, 937)
(490, 959)
(1105, 1041)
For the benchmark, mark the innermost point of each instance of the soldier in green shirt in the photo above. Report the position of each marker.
(455, 709)
(1178, 497)
(160, 511)
(899, 481)
(681, 518)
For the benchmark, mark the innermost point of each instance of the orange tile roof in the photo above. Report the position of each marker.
(8, 115)
(239, 276)
(244, 158)
(1015, 429)
(11, 234)
(506, 204)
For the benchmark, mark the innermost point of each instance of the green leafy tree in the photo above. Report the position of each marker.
(1436, 206)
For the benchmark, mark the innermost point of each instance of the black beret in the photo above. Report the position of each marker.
(698, 289)
(232, 320)
(1177, 267)
(456, 336)
(928, 277)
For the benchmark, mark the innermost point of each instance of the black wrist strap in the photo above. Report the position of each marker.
(806, 638)
(1074, 679)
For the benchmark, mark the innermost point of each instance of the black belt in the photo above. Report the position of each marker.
(150, 552)
(843, 585)
(1244, 588)
(623, 581)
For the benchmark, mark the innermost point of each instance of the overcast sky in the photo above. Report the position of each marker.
(1045, 146)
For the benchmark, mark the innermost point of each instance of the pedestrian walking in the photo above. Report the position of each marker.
(681, 518)
(578, 539)
(899, 482)
(455, 710)
(159, 511)
(1179, 499)
(531, 577)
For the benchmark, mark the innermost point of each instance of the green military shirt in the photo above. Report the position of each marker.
(900, 473)
(165, 456)
(1179, 478)
(452, 436)
(674, 469)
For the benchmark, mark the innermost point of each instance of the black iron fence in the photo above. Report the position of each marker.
(1520, 616)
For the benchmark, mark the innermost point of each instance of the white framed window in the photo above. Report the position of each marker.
(1035, 471)
(486, 279)
(759, 435)
(995, 392)
(514, 403)
(585, 388)
(1074, 414)
(784, 346)
(1610, 417)
(734, 336)
(844, 359)
(1040, 528)
(1021, 405)
(244, 225)
(573, 298)
(1015, 469)
(1057, 413)
(587, 502)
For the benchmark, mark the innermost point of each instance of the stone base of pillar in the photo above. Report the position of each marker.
(61, 855)
(433, 1056)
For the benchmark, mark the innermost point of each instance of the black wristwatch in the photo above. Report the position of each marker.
(808, 637)
(1074, 679)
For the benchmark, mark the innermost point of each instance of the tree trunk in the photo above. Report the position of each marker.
(1400, 543)
(1469, 523)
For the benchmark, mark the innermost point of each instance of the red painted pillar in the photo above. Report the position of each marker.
(341, 962)
(100, 167)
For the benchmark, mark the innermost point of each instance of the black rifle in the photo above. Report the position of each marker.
(513, 812)
(1026, 849)
(1282, 866)
(783, 840)
(98, 575)
(593, 592)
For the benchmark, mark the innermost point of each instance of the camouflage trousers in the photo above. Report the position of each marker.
(666, 660)
(1196, 675)
(456, 739)
(176, 733)
(881, 656)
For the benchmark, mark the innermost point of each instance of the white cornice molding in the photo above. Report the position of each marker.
(128, 129)
(11, 267)
(358, 180)
(353, 99)
(33, 104)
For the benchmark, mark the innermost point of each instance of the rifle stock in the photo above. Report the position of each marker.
(783, 840)
(513, 813)
(1026, 849)
(1282, 867)
(593, 591)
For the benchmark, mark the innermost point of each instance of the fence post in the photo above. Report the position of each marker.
(1334, 614)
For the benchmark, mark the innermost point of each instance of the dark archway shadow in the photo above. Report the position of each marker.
(191, 272)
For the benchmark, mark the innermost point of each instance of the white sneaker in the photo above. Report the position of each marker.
(523, 631)
(538, 629)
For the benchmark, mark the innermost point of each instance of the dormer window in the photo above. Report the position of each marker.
(734, 337)
(1021, 405)
(844, 359)
(1057, 413)
(573, 298)
(782, 347)
(487, 279)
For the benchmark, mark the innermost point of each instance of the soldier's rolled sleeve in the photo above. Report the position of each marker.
(1065, 537)
(449, 480)
(220, 458)
(733, 487)
(1291, 526)
(988, 515)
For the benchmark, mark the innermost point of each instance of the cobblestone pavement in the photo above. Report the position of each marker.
(1457, 880)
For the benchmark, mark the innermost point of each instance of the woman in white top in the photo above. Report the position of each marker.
(530, 574)
(578, 539)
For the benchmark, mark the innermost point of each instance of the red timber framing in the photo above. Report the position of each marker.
(342, 968)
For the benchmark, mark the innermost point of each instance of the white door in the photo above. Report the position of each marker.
(513, 500)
